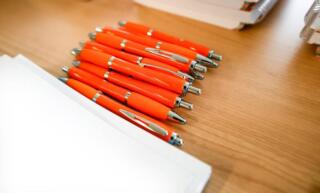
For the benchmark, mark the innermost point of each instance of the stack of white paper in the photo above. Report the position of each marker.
(311, 31)
(52, 139)
(231, 14)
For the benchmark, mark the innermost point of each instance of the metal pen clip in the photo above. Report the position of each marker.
(169, 55)
(144, 123)
(179, 74)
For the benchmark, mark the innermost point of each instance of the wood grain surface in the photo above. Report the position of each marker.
(257, 122)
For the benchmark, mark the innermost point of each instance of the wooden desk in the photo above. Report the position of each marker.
(257, 122)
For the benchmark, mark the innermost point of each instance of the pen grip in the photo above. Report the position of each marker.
(153, 77)
(95, 57)
(109, 39)
(93, 69)
(148, 106)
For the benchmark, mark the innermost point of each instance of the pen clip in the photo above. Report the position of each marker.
(169, 55)
(144, 123)
(179, 74)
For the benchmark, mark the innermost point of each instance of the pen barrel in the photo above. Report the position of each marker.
(148, 106)
(111, 51)
(195, 47)
(160, 79)
(161, 95)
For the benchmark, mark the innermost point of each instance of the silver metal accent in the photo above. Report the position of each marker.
(96, 96)
(76, 63)
(144, 123)
(82, 44)
(76, 51)
(122, 23)
(65, 69)
(206, 61)
(92, 35)
(169, 55)
(194, 90)
(175, 140)
(63, 79)
(158, 45)
(139, 60)
(106, 75)
(99, 29)
(178, 74)
(123, 44)
(197, 75)
(110, 61)
(127, 95)
(150, 32)
(181, 103)
(177, 118)
(215, 56)
(200, 68)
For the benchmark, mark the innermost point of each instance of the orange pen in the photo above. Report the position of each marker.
(148, 41)
(161, 95)
(141, 29)
(104, 60)
(142, 50)
(149, 124)
(132, 99)
(141, 61)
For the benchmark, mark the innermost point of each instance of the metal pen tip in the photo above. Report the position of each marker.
(63, 79)
(175, 117)
(186, 76)
(98, 29)
(65, 69)
(215, 56)
(76, 63)
(197, 75)
(200, 68)
(185, 105)
(176, 140)
(82, 44)
(75, 51)
(194, 90)
(92, 35)
(122, 23)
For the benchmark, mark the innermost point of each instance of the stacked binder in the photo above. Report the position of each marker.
(311, 31)
(231, 14)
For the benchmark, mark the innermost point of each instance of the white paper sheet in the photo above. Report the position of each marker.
(53, 139)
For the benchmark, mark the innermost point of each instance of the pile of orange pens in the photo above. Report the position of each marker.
(140, 74)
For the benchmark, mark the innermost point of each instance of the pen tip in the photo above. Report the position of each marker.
(75, 51)
(175, 117)
(185, 104)
(92, 35)
(76, 63)
(122, 23)
(82, 43)
(63, 79)
(65, 69)
(194, 90)
(215, 56)
(176, 140)
(98, 29)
